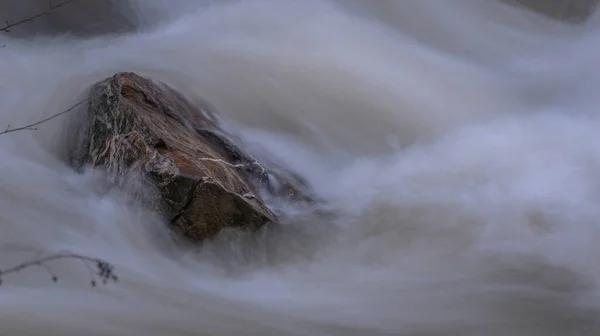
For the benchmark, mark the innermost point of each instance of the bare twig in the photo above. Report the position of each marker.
(9, 25)
(105, 271)
(32, 127)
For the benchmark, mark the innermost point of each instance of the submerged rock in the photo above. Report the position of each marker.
(135, 127)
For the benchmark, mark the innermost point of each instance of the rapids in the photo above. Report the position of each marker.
(457, 142)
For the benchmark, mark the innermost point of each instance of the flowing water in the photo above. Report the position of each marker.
(456, 142)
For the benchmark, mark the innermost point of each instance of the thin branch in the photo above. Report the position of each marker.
(89, 268)
(49, 270)
(32, 127)
(9, 25)
(105, 271)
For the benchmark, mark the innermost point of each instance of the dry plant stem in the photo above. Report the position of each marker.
(105, 271)
(51, 7)
(32, 127)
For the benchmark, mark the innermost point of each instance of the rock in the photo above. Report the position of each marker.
(141, 128)
(568, 11)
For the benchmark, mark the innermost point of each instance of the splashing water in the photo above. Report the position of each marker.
(456, 141)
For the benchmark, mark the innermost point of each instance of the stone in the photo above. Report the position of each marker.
(138, 128)
(568, 11)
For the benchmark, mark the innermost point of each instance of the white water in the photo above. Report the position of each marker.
(458, 141)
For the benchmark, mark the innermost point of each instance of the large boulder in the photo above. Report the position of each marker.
(203, 182)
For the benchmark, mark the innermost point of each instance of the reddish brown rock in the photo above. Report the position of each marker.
(204, 183)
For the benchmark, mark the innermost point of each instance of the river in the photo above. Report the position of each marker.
(457, 143)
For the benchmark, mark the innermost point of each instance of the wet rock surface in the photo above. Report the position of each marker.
(138, 128)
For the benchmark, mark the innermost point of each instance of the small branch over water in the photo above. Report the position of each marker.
(33, 127)
(51, 7)
(100, 270)
(104, 271)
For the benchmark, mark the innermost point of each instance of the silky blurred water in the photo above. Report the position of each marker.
(455, 142)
